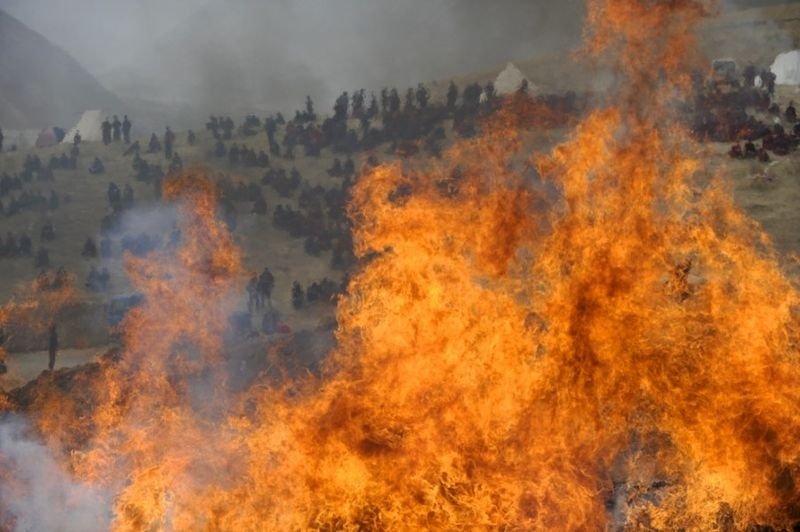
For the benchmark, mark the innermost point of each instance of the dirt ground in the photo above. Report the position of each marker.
(24, 367)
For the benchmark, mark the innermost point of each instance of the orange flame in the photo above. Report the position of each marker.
(591, 339)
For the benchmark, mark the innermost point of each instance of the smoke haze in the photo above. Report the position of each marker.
(245, 53)
(38, 486)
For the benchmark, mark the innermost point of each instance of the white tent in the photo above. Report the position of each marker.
(510, 80)
(787, 68)
(89, 126)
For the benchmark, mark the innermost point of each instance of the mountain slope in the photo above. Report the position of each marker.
(40, 84)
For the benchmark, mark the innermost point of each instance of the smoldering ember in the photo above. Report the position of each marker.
(399, 265)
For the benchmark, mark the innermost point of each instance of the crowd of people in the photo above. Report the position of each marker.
(742, 110)
(98, 281)
(324, 291)
(259, 290)
(775, 139)
(34, 201)
(116, 131)
(401, 122)
(16, 246)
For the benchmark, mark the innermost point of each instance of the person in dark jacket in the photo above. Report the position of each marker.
(52, 346)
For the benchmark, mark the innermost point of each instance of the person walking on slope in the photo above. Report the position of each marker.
(52, 346)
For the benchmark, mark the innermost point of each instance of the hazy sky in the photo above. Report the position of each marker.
(100, 33)
(262, 52)
(105, 33)
(190, 58)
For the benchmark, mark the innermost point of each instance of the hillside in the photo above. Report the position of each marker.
(40, 84)
(266, 244)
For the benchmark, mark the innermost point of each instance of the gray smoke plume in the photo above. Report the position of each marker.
(40, 496)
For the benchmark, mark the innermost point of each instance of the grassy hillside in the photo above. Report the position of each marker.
(80, 217)
(769, 193)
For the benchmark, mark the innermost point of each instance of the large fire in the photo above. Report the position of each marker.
(590, 339)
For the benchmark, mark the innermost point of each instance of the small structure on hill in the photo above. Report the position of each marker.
(49, 136)
(89, 126)
(511, 79)
(786, 68)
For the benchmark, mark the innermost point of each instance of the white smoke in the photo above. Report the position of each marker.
(39, 495)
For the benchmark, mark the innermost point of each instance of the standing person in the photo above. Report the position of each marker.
(252, 293)
(126, 130)
(266, 282)
(52, 345)
(106, 128)
(169, 142)
(117, 127)
(1, 139)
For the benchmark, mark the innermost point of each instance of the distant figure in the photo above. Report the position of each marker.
(169, 142)
(298, 295)
(1, 139)
(269, 323)
(106, 129)
(176, 163)
(76, 140)
(260, 206)
(116, 126)
(155, 144)
(52, 346)
(133, 148)
(791, 113)
(452, 96)
(89, 249)
(191, 138)
(127, 196)
(42, 259)
(768, 79)
(252, 293)
(422, 96)
(98, 281)
(48, 233)
(126, 130)
(219, 149)
(266, 282)
(97, 167)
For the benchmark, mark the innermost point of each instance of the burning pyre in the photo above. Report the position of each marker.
(607, 343)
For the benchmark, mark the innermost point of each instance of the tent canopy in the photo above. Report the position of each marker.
(49, 136)
(510, 80)
(787, 68)
(89, 126)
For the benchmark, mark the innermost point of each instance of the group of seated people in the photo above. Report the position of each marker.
(98, 281)
(14, 246)
(324, 291)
